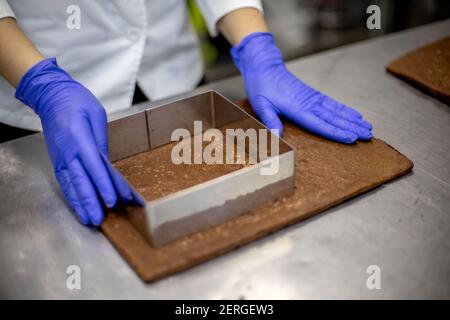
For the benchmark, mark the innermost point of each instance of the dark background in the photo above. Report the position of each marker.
(303, 27)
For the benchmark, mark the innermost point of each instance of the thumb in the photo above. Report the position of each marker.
(267, 114)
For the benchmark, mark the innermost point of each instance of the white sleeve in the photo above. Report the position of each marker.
(5, 10)
(213, 10)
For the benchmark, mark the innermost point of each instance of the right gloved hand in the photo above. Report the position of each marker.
(74, 124)
(273, 92)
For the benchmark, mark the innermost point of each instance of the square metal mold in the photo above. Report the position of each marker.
(211, 202)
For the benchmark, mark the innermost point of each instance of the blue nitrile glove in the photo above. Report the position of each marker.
(273, 91)
(74, 124)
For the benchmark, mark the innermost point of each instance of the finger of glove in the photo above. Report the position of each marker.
(126, 193)
(85, 191)
(267, 114)
(345, 112)
(63, 178)
(319, 126)
(94, 166)
(100, 129)
(333, 119)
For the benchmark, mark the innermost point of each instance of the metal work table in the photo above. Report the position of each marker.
(403, 227)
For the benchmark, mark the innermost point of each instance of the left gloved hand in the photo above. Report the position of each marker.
(74, 125)
(273, 91)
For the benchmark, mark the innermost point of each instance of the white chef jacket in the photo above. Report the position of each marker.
(112, 44)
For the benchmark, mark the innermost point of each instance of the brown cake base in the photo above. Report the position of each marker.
(427, 68)
(154, 175)
(327, 173)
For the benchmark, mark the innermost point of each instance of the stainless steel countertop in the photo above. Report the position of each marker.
(403, 226)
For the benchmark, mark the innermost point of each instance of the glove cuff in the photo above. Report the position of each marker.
(255, 48)
(38, 81)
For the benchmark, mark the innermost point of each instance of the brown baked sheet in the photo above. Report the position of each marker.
(154, 175)
(327, 173)
(427, 68)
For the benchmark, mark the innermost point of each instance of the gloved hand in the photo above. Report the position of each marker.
(74, 124)
(273, 91)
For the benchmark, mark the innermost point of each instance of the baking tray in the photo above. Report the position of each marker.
(214, 201)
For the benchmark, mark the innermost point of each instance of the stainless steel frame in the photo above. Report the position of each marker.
(214, 201)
